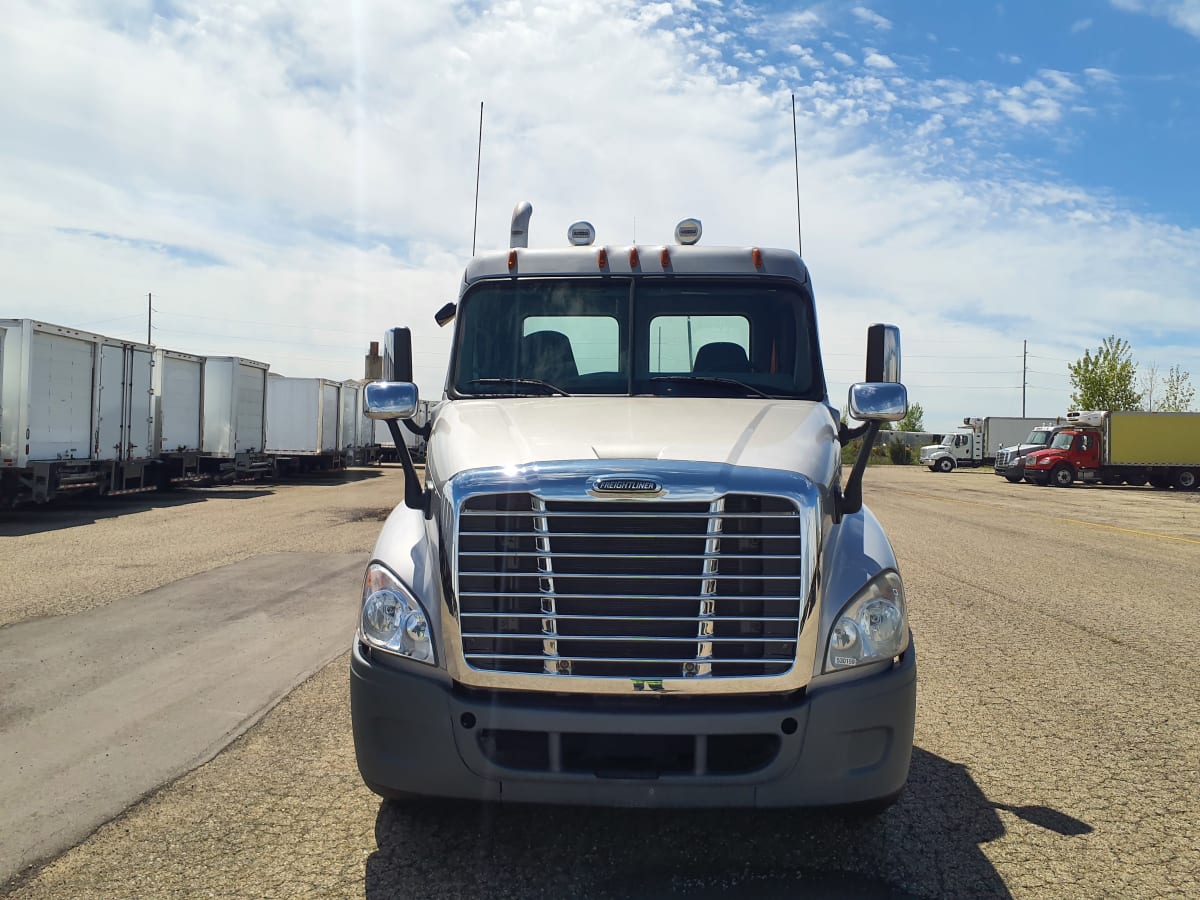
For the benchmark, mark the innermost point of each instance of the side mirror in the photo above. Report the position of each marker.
(878, 402)
(883, 354)
(397, 355)
(445, 315)
(385, 400)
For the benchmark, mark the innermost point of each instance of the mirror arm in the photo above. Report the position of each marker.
(846, 434)
(850, 499)
(419, 430)
(414, 495)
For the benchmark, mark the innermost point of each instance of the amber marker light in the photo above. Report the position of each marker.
(665, 258)
(633, 258)
(756, 255)
(603, 258)
(512, 259)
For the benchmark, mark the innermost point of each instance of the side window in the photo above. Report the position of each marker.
(699, 343)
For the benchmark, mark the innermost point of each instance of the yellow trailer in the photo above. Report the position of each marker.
(1152, 439)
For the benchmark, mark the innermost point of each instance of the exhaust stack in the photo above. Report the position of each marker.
(518, 236)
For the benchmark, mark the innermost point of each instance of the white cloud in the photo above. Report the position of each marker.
(876, 60)
(313, 165)
(1081, 25)
(872, 18)
(1011, 58)
(1183, 14)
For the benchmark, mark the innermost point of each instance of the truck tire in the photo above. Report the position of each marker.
(1062, 476)
(1184, 479)
(945, 464)
(1014, 479)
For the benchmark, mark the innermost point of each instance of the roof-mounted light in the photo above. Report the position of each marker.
(512, 260)
(688, 231)
(581, 234)
(602, 259)
(634, 259)
(756, 255)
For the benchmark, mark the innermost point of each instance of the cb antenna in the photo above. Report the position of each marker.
(796, 158)
(478, 161)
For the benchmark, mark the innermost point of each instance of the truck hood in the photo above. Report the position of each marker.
(798, 436)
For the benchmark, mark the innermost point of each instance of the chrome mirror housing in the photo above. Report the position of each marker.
(878, 402)
(883, 354)
(385, 400)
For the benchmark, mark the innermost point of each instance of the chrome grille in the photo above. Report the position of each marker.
(643, 590)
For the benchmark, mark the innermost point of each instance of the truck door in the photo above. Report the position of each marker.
(1086, 451)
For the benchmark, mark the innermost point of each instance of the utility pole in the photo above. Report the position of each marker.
(149, 316)
(1024, 373)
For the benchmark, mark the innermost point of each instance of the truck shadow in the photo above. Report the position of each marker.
(86, 510)
(928, 844)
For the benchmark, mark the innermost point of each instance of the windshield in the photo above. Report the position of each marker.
(1040, 438)
(1062, 440)
(684, 337)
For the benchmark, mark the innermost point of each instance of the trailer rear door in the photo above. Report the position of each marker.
(60, 397)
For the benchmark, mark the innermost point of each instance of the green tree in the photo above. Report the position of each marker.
(914, 421)
(1105, 380)
(1178, 391)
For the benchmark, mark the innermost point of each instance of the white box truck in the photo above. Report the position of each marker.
(635, 573)
(76, 413)
(978, 441)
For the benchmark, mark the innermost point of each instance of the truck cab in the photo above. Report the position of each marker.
(636, 573)
(1010, 461)
(1073, 453)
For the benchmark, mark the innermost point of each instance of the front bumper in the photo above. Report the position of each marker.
(848, 742)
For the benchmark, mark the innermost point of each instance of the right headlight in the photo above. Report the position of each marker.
(873, 626)
(392, 618)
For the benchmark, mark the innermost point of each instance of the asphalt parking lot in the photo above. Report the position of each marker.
(1057, 744)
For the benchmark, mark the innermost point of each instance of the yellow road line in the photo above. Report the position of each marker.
(1165, 537)
(1152, 534)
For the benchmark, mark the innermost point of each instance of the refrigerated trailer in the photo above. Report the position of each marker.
(303, 432)
(76, 413)
(1127, 447)
(179, 415)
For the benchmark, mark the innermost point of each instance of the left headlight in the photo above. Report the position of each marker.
(873, 626)
(392, 618)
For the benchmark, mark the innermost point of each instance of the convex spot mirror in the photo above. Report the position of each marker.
(390, 400)
(878, 402)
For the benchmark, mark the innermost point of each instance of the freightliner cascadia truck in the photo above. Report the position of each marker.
(1010, 461)
(1133, 447)
(636, 573)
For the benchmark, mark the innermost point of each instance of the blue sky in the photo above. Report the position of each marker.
(291, 179)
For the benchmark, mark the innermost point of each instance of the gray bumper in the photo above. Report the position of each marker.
(850, 742)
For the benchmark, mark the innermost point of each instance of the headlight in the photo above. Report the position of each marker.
(392, 618)
(873, 626)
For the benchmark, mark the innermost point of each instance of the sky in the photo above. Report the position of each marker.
(288, 180)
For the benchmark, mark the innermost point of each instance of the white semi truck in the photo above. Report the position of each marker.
(636, 573)
(977, 442)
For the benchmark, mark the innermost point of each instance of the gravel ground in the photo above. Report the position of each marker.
(88, 552)
(1057, 746)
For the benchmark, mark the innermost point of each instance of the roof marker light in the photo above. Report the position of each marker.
(512, 259)
(665, 258)
(688, 231)
(756, 255)
(634, 261)
(603, 258)
(581, 234)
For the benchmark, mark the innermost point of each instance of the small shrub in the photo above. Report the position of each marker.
(899, 452)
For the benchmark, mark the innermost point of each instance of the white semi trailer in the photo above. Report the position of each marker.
(303, 424)
(76, 413)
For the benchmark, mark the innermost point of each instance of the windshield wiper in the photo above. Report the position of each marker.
(716, 380)
(544, 386)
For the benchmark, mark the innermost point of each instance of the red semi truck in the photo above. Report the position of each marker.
(1162, 449)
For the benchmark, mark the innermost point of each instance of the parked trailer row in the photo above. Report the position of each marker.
(84, 412)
